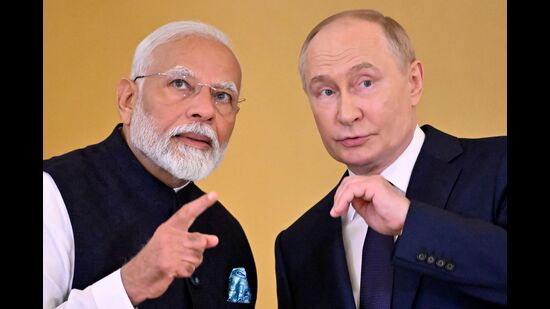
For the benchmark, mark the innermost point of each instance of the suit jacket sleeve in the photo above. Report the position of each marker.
(475, 248)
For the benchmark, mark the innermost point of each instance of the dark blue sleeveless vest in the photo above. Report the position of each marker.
(115, 206)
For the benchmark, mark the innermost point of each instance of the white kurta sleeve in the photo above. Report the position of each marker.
(58, 262)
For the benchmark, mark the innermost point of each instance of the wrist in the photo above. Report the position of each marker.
(131, 285)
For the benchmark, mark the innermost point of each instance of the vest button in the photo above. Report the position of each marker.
(195, 281)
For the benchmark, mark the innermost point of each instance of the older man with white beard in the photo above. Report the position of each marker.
(124, 224)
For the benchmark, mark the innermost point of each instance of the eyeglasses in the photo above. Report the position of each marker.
(181, 83)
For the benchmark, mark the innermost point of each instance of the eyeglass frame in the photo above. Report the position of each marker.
(196, 86)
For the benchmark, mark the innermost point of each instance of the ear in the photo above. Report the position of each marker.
(416, 81)
(126, 94)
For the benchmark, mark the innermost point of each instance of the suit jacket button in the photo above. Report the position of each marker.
(440, 263)
(450, 266)
(421, 256)
(195, 281)
(430, 259)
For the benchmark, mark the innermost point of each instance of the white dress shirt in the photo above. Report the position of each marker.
(58, 261)
(354, 228)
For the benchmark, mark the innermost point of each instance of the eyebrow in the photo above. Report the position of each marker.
(318, 79)
(181, 70)
(354, 69)
(359, 67)
(229, 85)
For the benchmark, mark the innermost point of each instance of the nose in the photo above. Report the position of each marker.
(201, 106)
(348, 111)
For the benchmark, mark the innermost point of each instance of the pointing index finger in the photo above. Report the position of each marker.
(186, 215)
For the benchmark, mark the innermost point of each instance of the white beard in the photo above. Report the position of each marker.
(181, 161)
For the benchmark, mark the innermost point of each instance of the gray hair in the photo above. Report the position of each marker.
(398, 40)
(170, 32)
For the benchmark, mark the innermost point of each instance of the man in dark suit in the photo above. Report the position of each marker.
(124, 224)
(440, 200)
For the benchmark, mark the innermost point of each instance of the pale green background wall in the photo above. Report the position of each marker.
(276, 166)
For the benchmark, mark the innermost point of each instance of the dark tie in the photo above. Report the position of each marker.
(376, 271)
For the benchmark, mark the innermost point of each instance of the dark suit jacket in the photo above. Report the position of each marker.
(458, 214)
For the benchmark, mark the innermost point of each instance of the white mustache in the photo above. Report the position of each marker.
(196, 128)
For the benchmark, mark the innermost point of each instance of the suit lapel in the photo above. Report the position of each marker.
(337, 277)
(432, 181)
(336, 273)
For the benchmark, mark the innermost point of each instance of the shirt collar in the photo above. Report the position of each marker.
(399, 172)
(179, 188)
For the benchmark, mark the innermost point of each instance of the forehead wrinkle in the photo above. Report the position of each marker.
(327, 60)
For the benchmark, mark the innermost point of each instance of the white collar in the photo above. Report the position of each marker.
(399, 172)
(184, 185)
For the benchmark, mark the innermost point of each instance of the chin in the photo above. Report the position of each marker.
(356, 157)
(351, 159)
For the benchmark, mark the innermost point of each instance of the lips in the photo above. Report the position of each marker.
(353, 141)
(195, 140)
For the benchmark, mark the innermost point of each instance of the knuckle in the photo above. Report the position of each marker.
(160, 230)
(183, 273)
(191, 237)
(189, 269)
(165, 266)
(202, 242)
